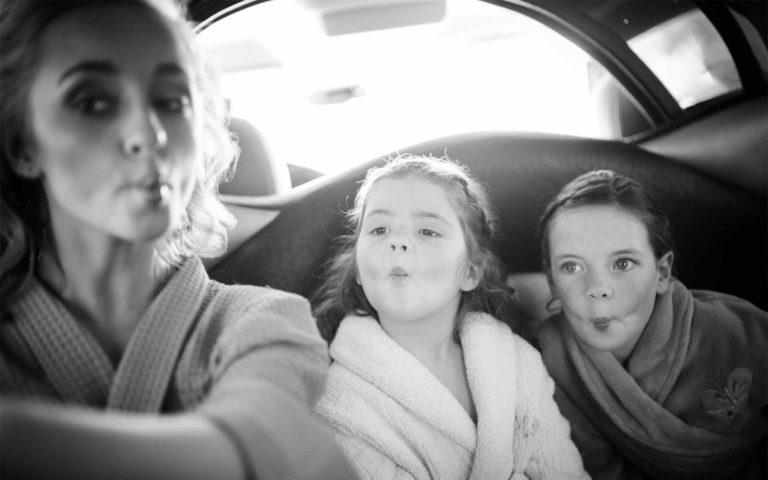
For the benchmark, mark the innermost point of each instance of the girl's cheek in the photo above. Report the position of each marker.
(567, 289)
(559, 284)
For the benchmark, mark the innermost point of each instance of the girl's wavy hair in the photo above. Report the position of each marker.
(24, 222)
(340, 295)
(606, 187)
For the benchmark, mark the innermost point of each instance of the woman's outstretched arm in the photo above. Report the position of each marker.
(43, 440)
(256, 387)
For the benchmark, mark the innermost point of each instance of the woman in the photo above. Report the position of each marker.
(112, 148)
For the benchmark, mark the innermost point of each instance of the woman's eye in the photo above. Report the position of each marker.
(173, 104)
(570, 267)
(379, 231)
(624, 264)
(429, 233)
(91, 98)
(94, 104)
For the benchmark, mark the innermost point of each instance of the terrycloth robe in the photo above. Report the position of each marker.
(691, 402)
(394, 419)
(236, 354)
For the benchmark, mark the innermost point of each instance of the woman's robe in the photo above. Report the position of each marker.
(236, 354)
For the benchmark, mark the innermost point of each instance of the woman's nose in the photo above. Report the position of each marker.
(144, 132)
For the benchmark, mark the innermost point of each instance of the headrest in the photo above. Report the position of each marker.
(257, 172)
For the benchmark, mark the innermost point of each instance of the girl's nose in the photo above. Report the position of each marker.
(599, 288)
(144, 132)
(399, 241)
(398, 246)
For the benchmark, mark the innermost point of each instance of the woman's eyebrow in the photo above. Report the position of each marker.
(107, 67)
(89, 66)
(170, 68)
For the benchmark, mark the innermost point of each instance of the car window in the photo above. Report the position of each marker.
(327, 102)
(689, 57)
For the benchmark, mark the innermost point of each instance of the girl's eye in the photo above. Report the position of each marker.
(429, 233)
(379, 231)
(570, 267)
(625, 264)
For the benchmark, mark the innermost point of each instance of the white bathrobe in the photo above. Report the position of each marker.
(394, 419)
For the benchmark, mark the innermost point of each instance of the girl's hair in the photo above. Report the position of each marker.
(605, 187)
(341, 295)
(24, 222)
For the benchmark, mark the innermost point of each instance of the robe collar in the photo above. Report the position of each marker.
(79, 369)
(491, 363)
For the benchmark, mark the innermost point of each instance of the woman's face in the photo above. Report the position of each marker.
(603, 269)
(113, 122)
(411, 253)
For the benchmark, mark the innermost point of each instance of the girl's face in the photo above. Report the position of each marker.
(411, 253)
(113, 123)
(603, 269)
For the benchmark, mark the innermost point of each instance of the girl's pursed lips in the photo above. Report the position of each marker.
(398, 272)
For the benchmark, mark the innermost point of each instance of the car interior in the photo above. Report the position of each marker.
(527, 94)
(707, 162)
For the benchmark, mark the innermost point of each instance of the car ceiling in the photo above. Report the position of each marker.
(599, 28)
(607, 12)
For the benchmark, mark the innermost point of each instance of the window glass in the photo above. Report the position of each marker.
(329, 102)
(689, 57)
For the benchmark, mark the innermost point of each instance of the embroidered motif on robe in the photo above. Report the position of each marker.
(233, 353)
(691, 402)
(395, 420)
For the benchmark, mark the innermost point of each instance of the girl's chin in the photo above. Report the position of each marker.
(597, 340)
(398, 315)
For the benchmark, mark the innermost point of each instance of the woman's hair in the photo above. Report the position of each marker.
(24, 222)
(605, 187)
(340, 294)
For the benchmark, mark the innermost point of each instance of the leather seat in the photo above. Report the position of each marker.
(720, 230)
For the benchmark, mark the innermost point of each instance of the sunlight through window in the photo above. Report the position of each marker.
(329, 102)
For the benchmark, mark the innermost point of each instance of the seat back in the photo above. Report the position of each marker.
(720, 230)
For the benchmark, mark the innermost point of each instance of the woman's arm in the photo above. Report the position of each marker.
(252, 420)
(268, 370)
(274, 428)
(40, 440)
(247, 428)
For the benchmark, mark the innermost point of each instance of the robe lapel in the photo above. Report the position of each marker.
(147, 366)
(660, 353)
(73, 361)
(372, 355)
(491, 371)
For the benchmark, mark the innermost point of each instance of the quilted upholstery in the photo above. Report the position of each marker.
(720, 230)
